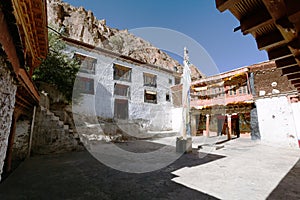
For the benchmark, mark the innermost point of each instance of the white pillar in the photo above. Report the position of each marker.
(207, 126)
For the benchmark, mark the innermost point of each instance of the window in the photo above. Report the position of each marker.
(245, 89)
(232, 90)
(86, 85)
(150, 97)
(170, 81)
(87, 64)
(122, 90)
(168, 97)
(150, 80)
(122, 73)
(222, 92)
(241, 89)
(177, 80)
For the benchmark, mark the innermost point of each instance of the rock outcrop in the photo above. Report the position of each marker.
(82, 25)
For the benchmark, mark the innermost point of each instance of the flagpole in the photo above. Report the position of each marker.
(184, 143)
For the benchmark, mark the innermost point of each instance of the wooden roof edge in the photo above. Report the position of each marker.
(116, 55)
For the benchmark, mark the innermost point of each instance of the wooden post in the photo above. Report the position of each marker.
(11, 139)
(31, 132)
(229, 127)
(193, 125)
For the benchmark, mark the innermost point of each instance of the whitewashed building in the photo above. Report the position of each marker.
(114, 86)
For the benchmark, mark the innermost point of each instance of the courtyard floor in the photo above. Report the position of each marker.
(239, 169)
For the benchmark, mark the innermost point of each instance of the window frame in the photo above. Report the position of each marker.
(119, 71)
(85, 62)
(147, 77)
(121, 86)
(147, 93)
(83, 87)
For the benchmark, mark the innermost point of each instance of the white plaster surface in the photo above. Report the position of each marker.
(177, 119)
(296, 115)
(276, 122)
(159, 116)
(249, 170)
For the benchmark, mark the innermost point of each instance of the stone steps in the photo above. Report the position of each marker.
(55, 121)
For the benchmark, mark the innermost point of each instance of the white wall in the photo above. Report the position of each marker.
(296, 114)
(102, 103)
(177, 119)
(276, 122)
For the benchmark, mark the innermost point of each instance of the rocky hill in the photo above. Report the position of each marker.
(82, 25)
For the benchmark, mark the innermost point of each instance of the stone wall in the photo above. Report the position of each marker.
(7, 101)
(255, 134)
(264, 75)
(21, 140)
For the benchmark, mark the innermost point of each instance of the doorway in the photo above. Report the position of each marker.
(121, 109)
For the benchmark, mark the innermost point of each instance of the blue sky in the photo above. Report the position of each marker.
(198, 19)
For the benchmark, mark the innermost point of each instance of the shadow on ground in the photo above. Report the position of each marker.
(78, 175)
(289, 186)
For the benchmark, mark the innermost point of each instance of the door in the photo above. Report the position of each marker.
(121, 109)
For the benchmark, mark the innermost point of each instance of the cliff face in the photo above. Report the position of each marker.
(82, 25)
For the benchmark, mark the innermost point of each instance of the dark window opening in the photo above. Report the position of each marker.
(86, 85)
(150, 80)
(150, 97)
(177, 80)
(122, 73)
(168, 97)
(87, 64)
(122, 90)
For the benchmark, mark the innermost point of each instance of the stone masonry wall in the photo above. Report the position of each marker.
(267, 73)
(7, 101)
(21, 140)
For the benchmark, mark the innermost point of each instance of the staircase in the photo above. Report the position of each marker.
(51, 135)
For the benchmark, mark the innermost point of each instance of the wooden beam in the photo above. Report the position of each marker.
(294, 76)
(293, 82)
(270, 40)
(295, 18)
(223, 5)
(294, 45)
(280, 12)
(255, 20)
(292, 7)
(286, 62)
(276, 8)
(8, 45)
(279, 53)
(297, 85)
(291, 70)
